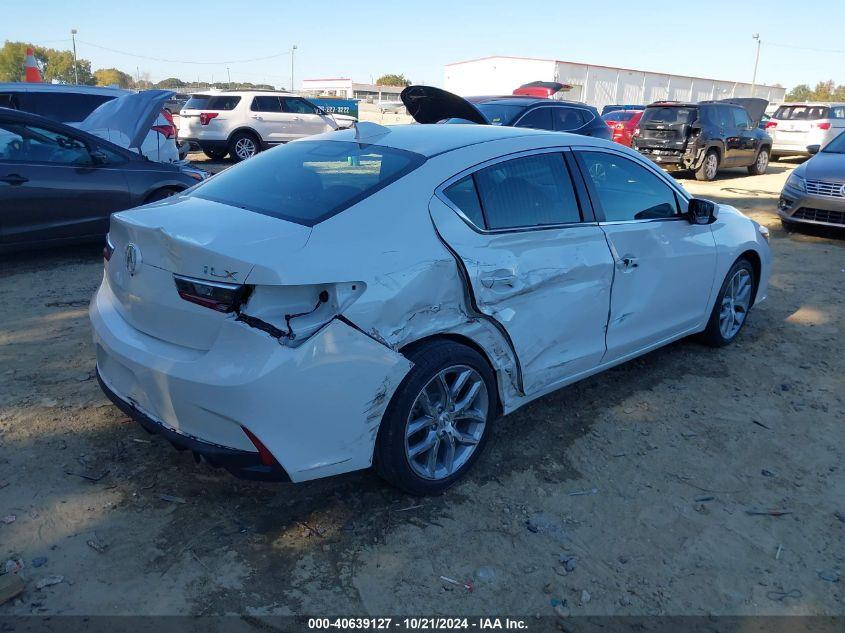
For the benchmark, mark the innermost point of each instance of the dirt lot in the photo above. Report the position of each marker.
(641, 480)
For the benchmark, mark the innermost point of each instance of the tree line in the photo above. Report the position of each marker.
(824, 91)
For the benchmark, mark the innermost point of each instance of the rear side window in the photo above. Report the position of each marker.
(837, 112)
(627, 191)
(212, 102)
(527, 192)
(266, 104)
(309, 181)
(464, 195)
(801, 113)
(539, 119)
(567, 119)
(58, 106)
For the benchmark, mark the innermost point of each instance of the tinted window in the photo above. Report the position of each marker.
(529, 191)
(297, 106)
(837, 112)
(741, 119)
(669, 115)
(620, 115)
(212, 102)
(717, 116)
(499, 114)
(33, 144)
(627, 191)
(801, 113)
(308, 181)
(539, 118)
(59, 106)
(266, 104)
(569, 119)
(464, 196)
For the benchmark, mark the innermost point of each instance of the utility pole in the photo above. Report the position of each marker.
(75, 66)
(229, 77)
(292, 52)
(756, 36)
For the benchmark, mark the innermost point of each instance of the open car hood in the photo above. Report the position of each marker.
(428, 104)
(131, 116)
(755, 107)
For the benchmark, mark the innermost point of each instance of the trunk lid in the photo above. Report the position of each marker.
(127, 120)
(194, 238)
(427, 104)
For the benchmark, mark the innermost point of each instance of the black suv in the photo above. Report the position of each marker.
(705, 136)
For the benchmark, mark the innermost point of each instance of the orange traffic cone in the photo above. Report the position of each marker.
(33, 75)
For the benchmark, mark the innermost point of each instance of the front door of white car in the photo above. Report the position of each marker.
(664, 266)
(536, 261)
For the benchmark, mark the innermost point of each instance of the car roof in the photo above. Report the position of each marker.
(19, 86)
(433, 139)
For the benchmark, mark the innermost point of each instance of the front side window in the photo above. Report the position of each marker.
(26, 143)
(527, 192)
(297, 106)
(307, 182)
(627, 191)
(567, 119)
(539, 119)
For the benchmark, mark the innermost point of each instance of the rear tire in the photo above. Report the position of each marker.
(709, 166)
(761, 163)
(441, 421)
(244, 145)
(734, 301)
(215, 154)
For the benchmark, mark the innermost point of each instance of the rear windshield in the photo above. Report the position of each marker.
(802, 113)
(669, 115)
(64, 107)
(500, 114)
(211, 102)
(620, 115)
(309, 181)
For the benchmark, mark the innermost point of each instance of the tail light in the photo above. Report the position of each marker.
(205, 117)
(771, 124)
(108, 249)
(264, 455)
(823, 126)
(211, 294)
(168, 130)
(618, 126)
(636, 131)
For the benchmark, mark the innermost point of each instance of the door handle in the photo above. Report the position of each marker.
(627, 263)
(14, 179)
(255, 116)
(498, 278)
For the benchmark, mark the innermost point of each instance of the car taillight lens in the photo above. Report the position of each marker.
(108, 249)
(264, 455)
(771, 124)
(211, 294)
(168, 131)
(823, 126)
(618, 126)
(205, 117)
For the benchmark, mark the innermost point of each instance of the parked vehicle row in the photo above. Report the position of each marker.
(241, 123)
(795, 127)
(224, 312)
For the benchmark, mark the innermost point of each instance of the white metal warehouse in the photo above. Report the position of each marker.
(594, 84)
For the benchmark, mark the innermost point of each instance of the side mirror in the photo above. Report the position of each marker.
(701, 211)
(813, 149)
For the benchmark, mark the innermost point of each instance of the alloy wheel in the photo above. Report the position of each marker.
(711, 165)
(245, 148)
(446, 422)
(735, 304)
(762, 162)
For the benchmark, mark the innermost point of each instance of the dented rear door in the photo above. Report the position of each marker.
(547, 287)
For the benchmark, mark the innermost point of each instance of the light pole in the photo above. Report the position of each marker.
(229, 76)
(756, 36)
(292, 52)
(75, 67)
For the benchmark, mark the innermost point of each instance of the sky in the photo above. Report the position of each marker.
(366, 39)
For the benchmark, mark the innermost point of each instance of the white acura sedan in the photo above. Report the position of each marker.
(379, 296)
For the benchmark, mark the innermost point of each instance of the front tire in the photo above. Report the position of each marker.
(438, 421)
(243, 145)
(761, 163)
(709, 166)
(730, 312)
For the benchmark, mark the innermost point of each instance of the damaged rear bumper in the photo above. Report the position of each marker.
(317, 407)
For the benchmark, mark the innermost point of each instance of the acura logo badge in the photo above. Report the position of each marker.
(132, 258)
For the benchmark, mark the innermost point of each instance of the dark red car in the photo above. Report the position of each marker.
(622, 124)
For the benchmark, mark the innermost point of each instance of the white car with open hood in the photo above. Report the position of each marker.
(379, 296)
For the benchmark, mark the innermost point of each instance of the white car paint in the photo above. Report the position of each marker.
(399, 266)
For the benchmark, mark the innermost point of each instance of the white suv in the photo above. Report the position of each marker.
(243, 122)
(796, 126)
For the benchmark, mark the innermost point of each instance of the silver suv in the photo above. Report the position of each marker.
(243, 122)
(796, 126)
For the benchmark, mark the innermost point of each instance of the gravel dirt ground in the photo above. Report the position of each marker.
(632, 492)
